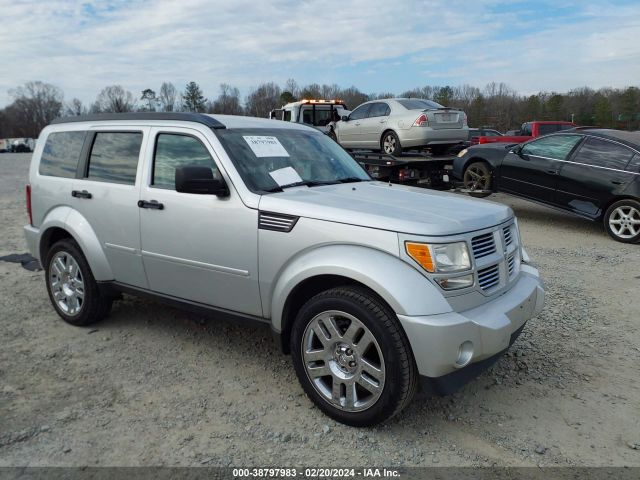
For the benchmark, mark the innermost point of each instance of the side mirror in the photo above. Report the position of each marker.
(517, 150)
(344, 118)
(199, 180)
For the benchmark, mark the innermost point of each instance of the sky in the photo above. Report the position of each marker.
(376, 45)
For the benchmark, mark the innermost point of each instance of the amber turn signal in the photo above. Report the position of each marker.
(421, 254)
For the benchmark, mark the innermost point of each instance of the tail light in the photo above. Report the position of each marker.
(421, 121)
(28, 192)
(464, 120)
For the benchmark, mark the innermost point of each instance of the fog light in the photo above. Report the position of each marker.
(465, 353)
(456, 282)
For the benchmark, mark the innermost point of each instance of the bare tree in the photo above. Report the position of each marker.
(75, 108)
(168, 97)
(263, 99)
(228, 102)
(150, 96)
(34, 106)
(114, 98)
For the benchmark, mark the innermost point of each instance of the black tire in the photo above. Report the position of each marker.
(477, 176)
(400, 371)
(620, 221)
(390, 144)
(95, 304)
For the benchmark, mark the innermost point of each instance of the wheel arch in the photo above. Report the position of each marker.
(65, 222)
(613, 200)
(387, 130)
(396, 283)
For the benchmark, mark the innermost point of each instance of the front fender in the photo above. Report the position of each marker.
(404, 289)
(79, 228)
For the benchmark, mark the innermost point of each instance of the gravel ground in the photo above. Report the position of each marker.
(156, 386)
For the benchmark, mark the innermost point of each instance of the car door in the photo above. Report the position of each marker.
(532, 169)
(350, 132)
(106, 195)
(201, 248)
(375, 124)
(594, 175)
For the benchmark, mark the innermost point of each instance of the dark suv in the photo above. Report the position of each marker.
(593, 173)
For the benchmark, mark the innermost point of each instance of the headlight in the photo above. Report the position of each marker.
(462, 152)
(440, 258)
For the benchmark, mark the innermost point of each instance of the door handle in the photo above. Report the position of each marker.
(357, 124)
(552, 172)
(152, 204)
(383, 121)
(80, 194)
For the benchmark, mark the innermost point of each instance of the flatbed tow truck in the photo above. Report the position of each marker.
(416, 168)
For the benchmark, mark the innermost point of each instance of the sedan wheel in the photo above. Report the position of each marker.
(391, 144)
(477, 179)
(622, 221)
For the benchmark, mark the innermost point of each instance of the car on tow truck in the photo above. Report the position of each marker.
(319, 113)
(392, 125)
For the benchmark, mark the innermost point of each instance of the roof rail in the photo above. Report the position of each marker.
(183, 116)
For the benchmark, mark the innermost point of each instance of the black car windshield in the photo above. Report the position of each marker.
(272, 159)
(418, 104)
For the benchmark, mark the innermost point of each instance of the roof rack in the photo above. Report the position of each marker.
(183, 116)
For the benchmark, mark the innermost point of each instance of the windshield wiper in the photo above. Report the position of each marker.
(352, 180)
(306, 183)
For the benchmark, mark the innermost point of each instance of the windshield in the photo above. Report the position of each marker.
(271, 159)
(418, 104)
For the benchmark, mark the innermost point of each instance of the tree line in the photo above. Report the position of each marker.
(497, 105)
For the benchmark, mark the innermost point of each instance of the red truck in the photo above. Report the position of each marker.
(528, 131)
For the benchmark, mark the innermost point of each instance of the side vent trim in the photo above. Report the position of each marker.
(277, 222)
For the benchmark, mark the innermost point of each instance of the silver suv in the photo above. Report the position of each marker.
(371, 287)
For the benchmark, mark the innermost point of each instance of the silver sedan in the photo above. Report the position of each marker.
(394, 124)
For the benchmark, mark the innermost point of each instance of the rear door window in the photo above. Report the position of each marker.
(174, 150)
(61, 154)
(602, 153)
(634, 164)
(556, 147)
(114, 157)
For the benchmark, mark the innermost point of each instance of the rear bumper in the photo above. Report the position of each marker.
(32, 235)
(436, 340)
(423, 136)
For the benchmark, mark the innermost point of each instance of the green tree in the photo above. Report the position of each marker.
(287, 97)
(444, 96)
(192, 98)
(602, 111)
(629, 106)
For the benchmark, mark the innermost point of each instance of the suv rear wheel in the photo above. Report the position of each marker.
(622, 221)
(352, 357)
(72, 289)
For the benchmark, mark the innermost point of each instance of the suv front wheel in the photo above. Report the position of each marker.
(352, 357)
(72, 289)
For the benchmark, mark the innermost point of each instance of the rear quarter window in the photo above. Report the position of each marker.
(61, 154)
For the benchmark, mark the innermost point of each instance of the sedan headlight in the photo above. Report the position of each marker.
(444, 258)
(462, 152)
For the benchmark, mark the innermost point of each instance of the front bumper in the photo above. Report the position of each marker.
(436, 339)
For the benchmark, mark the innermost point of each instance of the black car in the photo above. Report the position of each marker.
(593, 173)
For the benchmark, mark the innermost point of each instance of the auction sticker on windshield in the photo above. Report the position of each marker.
(285, 176)
(264, 146)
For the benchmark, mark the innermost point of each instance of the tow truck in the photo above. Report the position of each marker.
(318, 113)
(416, 168)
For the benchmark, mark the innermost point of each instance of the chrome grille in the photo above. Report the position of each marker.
(276, 221)
(483, 245)
(507, 235)
(489, 277)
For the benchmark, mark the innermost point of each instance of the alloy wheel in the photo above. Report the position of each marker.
(476, 177)
(66, 282)
(389, 144)
(624, 221)
(343, 361)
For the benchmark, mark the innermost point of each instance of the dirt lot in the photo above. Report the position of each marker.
(156, 386)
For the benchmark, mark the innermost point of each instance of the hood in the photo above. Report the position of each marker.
(395, 207)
